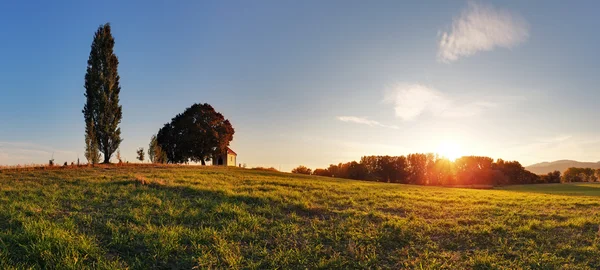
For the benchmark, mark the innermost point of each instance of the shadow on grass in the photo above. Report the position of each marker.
(128, 224)
(569, 189)
(142, 226)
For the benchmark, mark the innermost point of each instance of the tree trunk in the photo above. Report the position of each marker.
(203, 162)
(106, 158)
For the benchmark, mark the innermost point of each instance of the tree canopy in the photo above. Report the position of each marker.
(195, 135)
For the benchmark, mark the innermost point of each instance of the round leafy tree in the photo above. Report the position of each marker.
(195, 135)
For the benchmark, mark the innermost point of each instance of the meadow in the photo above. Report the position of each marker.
(186, 217)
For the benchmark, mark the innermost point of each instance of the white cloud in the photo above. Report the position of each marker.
(364, 121)
(481, 28)
(411, 100)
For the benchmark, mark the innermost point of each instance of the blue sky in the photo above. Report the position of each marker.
(313, 82)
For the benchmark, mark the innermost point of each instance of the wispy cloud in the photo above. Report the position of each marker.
(364, 121)
(411, 100)
(481, 27)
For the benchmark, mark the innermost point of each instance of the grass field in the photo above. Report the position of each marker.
(190, 217)
(574, 189)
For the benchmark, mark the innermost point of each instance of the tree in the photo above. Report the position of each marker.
(417, 168)
(321, 172)
(195, 135)
(140, 154)
(119, 156)
(102, 111)
(92, 154)
(302, 170)
(155, 153)
(579, 175)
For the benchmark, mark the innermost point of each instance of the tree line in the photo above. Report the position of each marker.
(573, 174)
(431, 169)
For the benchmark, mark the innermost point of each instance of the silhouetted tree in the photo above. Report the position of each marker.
(140, 154)
(442, 172)
(102, 111)
(302, 170)
(195, 135)
(554, 177)
(321, 172)
(417, 168)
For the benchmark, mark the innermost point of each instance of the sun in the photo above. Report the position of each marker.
(449, 150)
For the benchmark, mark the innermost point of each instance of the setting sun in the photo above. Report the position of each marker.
(449, 150)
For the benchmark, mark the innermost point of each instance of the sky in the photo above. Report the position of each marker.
(313, 82)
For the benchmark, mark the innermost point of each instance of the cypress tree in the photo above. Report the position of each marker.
(102, 111)
(92, 154)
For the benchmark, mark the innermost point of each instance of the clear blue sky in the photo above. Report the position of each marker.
(313, 82)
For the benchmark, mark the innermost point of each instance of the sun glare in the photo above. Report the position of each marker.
(449, 150)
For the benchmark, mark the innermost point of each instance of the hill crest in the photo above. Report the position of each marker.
(560, 165)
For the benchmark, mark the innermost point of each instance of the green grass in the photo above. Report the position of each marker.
(190, 217)
(575, 189)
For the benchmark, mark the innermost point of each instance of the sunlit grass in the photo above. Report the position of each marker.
(185, 217)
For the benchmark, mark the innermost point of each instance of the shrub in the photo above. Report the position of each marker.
(302, 170)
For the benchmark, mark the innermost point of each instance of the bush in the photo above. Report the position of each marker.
(302, 170)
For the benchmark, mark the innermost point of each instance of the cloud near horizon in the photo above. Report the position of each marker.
(481, 27)
(365, 121)
(411, 100)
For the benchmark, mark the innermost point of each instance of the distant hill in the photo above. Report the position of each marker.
(560, 165)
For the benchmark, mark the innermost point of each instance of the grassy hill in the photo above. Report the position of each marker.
(185, 217)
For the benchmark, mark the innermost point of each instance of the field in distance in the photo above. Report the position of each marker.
(185, 217)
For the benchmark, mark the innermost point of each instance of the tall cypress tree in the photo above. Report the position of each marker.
(102, 111)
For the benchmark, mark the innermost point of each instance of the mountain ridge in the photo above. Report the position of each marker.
(560, 165)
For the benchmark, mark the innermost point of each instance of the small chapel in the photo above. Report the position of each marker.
(229, 158)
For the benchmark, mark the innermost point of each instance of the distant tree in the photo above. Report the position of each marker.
(195, 135)
(155, 152)
(119, 156)
(551, 177)
(442, 173)
(335, 171)
(417, 168)
(475, 170)
(102, 111)
(572, 175)
(554, 177)
(302, 170)
(355, 170)
(140, 154)
(321, 172)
